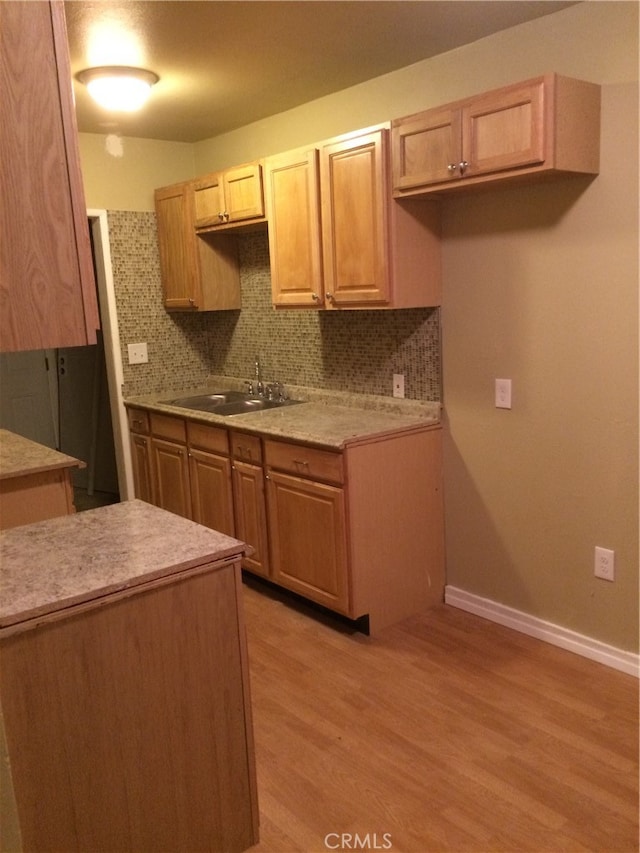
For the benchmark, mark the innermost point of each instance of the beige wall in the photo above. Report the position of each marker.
(122, 173)
(541, 286)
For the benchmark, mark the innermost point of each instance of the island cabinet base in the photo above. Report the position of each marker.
(35, 497)
(128, 720)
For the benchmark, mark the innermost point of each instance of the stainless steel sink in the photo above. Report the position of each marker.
(228, 403)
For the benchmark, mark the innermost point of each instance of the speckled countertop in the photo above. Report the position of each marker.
(20, 456)
(330, 419)
(51, 565)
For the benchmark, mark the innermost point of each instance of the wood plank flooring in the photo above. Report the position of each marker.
(446, 733)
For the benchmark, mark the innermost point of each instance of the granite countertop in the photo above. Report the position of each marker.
(20, 456)
(51, 565)
(331, 419)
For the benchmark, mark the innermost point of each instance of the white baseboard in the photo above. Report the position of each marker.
(533, 626)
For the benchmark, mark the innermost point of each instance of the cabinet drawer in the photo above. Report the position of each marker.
(138, 421)
(169, 427)
(305, 461)
(247, 448)
(208, 438)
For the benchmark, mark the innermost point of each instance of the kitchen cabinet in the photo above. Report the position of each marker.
(47, 284)
(307, 523)
(355, 527)
(210, 477)
(170, 465)
(226, 199)
(249, 501)
(139, 429)
(359, 531)
(35, 481)
(337, 239)
(125, 688)
(541, 127)
(199, 272)
(183, 467)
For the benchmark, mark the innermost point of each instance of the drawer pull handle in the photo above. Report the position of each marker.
(300, 463)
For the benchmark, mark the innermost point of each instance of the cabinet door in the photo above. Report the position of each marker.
(209, 201)
(211, 495)
(141, 460)
(243, 194)
(170, 471)
(426, 148)
(354, 194)
(47, 285)
(293, 211)
(176, 239)
(308, 539)
(251, 515)
(504, 129)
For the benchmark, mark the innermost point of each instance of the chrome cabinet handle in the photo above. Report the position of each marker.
(463, 165)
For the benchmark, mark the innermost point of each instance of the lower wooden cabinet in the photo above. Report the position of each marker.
(249, 501)
(358, 530)
(170, 473)
(307, 528)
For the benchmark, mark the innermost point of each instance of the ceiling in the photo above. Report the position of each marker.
(226, 63)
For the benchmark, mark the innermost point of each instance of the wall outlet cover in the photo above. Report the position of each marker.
(138, 353)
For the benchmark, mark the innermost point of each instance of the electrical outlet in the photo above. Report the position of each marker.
(398, 384)
(138, 353)
(503, 393)
(604, 564)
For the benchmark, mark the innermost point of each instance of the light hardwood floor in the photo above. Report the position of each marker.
(446, 733)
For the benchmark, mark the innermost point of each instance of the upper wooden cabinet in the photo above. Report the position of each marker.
(199, 273)
(547, 125)
(47, 285)
(224, 199)
(336, 237)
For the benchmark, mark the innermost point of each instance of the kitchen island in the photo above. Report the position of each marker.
(35, 481)
(124, 685)
(340, 495)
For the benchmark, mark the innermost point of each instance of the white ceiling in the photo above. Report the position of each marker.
(226, 63)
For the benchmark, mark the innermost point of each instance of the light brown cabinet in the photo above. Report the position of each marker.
(47, 284)
(249, 501)
(229, 198)
(182, 467)
(126, 703)
(307, 523)
(358, 530)
(210, 477)
(336, 237)
(199, 272)
(139, 429)
(547, 125)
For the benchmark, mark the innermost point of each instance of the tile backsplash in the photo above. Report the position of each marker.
(356, 351)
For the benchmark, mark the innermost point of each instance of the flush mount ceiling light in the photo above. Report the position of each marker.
(118, 87)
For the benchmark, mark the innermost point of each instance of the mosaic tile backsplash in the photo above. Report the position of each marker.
(356, 351)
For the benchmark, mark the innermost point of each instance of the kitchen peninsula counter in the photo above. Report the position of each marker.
(330, 419)
(35, 481)
(123, 668)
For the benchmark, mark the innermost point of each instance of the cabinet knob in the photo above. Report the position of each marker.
(452, 167)
(221, 216)
(463, 165)
(315, 297)
(329, 297)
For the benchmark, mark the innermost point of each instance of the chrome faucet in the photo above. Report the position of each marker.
(259, 383)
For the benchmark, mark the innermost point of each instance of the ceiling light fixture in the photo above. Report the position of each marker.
(118, 87)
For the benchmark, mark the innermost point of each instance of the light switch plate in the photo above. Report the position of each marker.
(138, 353)
(503, 393)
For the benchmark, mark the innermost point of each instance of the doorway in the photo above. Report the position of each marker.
(71, 399)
